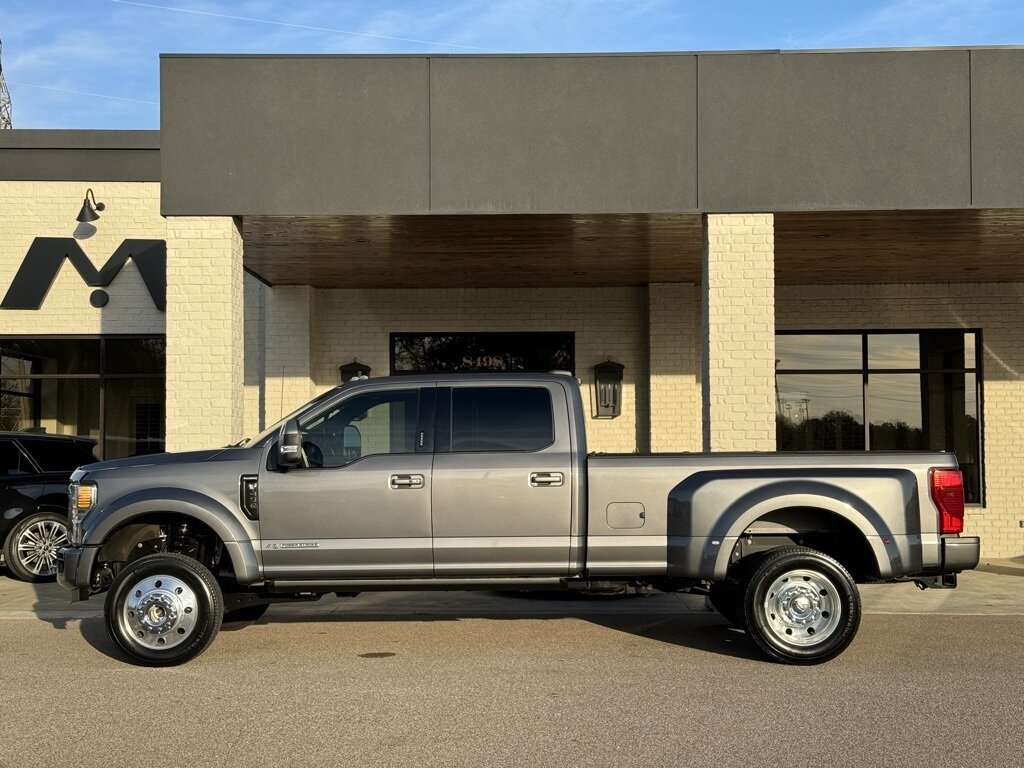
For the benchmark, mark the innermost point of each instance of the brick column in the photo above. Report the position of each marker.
(738, 323)
(205, 402)
(289, 313)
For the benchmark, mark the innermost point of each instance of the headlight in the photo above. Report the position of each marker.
(81, 499)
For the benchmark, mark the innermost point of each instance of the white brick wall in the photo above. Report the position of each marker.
(674, 349)
(289, 345)
(30, 209)
(205, 396)
(738, 332)
(998, 310)
(608, 322)
(255, 314)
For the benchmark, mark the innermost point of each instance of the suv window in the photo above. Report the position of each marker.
(501, 419)
(57, 455)
(365, 425)
(13, 461)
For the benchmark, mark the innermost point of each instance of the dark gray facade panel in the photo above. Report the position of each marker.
(31, 138)
(79, 164)
(563, 134)
(298, 136)
(840, 131)
(997, 128)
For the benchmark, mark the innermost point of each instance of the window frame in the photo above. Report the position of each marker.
(446, 432)
(424, 421)
(865, 371)
(100, 375)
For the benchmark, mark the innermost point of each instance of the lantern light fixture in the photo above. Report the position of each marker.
(608, 386)
(354, 370)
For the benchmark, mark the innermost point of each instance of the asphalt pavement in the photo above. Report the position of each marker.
(473, 679)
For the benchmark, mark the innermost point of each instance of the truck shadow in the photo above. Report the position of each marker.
(699, 630)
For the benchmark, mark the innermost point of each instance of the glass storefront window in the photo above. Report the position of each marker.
(24, 357)
(134, 355)
(812, 351)
(913, 390)
(110, 390)
(491, 352)
(819, 412)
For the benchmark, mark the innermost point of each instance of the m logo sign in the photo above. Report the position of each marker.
(46, 256)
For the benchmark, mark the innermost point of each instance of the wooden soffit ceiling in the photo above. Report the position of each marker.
(432, 251)
(437, 251)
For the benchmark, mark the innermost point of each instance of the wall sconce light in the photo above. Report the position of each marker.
(353, 370)
(88, 213)
(608, 383)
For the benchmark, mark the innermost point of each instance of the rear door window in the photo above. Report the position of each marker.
(501, 419)
(57, 455)
(13, 461)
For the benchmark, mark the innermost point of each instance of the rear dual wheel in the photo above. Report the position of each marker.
(800, 606)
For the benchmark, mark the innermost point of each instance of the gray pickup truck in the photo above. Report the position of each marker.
(484, 482)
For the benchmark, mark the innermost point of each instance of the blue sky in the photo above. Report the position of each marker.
(110, 49)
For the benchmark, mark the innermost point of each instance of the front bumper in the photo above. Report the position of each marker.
(960, 553)
(74, 570)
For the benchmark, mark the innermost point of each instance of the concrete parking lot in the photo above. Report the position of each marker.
(933, 679)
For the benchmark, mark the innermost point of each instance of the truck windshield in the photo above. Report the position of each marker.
(275, 427)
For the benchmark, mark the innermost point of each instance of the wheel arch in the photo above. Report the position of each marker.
(801, 513)
(143, 509)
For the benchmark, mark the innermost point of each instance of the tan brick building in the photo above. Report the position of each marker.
(775, 265)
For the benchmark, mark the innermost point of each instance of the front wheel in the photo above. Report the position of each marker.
(163, 609)
(800, 606)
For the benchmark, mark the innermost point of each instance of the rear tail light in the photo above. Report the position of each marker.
(948, 494)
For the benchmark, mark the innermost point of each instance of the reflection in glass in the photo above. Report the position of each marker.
(134, 417)
(894, 350)
(67, 407)
(491, 352)
(50, 356)
(819, 412)
(894, 412)
(817, 351)
(135, 355)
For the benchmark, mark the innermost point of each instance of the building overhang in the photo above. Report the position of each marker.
(475, 251)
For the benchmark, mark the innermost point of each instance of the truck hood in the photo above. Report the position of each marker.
(188, 457)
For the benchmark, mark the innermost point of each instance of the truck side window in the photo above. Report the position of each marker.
(501, 419)
(365, 425)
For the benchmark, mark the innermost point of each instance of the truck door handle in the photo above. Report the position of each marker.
(546, 479)
(406, 481)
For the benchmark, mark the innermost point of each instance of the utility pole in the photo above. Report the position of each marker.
(5, 97)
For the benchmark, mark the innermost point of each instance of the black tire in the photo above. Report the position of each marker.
(815, 596)
(247, 613)
(725, 597)
(54, 528)
(161, 585)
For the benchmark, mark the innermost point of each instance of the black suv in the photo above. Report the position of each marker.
(34, 474)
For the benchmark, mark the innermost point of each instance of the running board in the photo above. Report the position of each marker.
(469, 583)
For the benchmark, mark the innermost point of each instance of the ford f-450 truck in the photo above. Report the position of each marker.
(484, 482)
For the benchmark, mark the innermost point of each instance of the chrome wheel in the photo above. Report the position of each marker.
(160, 612)
(802, 608)
(37, 546)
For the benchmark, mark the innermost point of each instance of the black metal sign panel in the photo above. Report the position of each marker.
(494, 352)
(47, 254)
